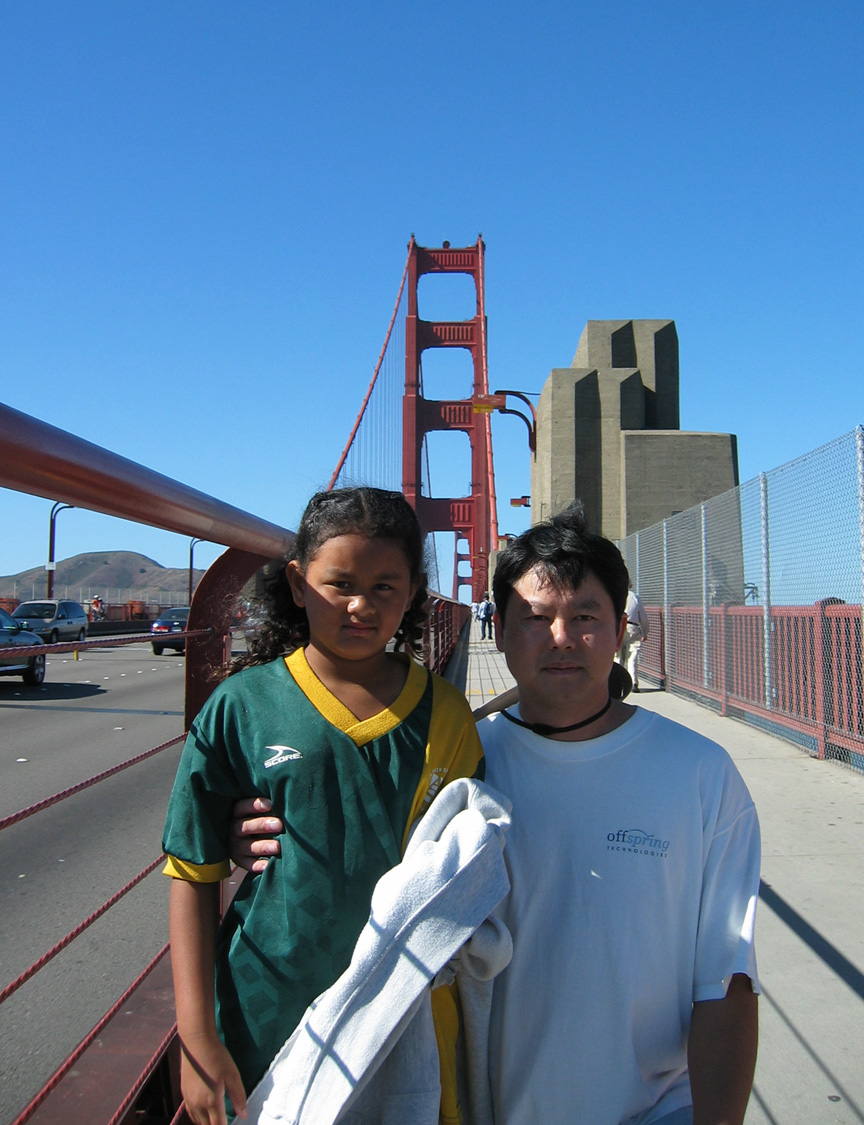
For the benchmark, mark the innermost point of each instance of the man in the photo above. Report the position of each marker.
(634, 861)
(486, 614)
(634, 635)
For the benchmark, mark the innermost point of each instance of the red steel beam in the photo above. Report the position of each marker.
(43, 460)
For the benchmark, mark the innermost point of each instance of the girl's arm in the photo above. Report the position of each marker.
(207, 1070)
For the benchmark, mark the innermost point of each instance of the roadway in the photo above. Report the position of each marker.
(60, 865)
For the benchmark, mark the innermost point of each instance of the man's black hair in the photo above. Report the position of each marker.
(563, 551)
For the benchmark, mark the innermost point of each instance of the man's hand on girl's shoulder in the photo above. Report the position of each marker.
(252, 841)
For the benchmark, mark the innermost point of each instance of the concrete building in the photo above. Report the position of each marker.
(608, 433)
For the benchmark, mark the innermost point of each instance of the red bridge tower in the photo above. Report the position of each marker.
(473, 518)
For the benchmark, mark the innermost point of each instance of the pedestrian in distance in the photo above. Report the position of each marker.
(348, 742)
(633, 855)
(634, 635)
(486, 613)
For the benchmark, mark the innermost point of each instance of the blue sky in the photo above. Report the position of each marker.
(206, 207)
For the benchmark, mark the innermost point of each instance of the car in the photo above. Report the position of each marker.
(171, 621)
(53, 620)
(31, 669)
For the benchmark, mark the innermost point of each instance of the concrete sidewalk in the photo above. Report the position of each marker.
(810, 923)
(478, 668)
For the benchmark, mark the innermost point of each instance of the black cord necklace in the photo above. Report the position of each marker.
(545, 730)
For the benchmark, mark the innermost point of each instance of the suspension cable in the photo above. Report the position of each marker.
(65, 1067)
(350, 441)
(14, 985)
(14, 818)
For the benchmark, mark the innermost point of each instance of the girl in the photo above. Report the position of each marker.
(350, 743)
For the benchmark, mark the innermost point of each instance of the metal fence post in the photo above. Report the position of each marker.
(666, 623)
(859, 457)
(766, 587)
(637, 565)
(706, 619)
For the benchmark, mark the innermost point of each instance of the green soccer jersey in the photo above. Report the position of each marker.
(347, 792)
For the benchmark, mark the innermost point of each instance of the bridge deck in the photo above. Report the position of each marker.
(810, 924)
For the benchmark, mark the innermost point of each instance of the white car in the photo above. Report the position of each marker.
(53, 620)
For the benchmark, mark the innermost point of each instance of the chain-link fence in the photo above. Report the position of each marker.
(754, 600)
(34, 591)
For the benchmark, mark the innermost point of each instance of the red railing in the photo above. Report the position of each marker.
(814, 668)
(652, 654)
(122, 1056)
(446, 621)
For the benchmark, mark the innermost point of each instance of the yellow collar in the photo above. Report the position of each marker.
(335, 712)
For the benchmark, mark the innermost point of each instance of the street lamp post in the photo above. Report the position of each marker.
(49, 566)
(486, 404)
(192, 543)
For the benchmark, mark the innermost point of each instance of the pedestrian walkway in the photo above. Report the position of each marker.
(478, 668)
(810, 920)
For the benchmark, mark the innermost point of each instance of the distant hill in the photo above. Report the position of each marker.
(117, 576)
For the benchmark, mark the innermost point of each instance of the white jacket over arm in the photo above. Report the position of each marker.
(365, 1049)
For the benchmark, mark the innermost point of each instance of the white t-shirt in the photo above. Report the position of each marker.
(634, 863)
(637, 618)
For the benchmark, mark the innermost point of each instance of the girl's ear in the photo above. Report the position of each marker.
(297, 582)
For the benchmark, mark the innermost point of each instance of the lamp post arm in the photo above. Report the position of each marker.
(532, 437)
(49, 582)
(192, 543)
(525, 399)
(532, 424)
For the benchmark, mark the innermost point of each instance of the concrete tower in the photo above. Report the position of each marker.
(608, 433)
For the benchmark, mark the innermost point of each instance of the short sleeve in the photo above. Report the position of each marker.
(725, 942)
(205, 789)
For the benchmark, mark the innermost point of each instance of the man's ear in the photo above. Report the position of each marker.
(622, 629)
(499, 631)
(297, 582)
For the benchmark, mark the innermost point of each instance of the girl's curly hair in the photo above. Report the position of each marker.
(282, 625)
